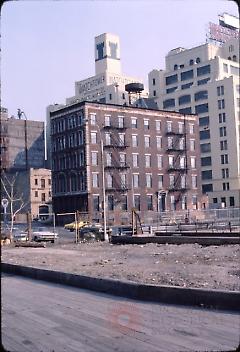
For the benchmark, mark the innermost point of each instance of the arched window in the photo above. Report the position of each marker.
(175, 67)
(229, 58)
(191, 62)
(234, 58)
(198, 60)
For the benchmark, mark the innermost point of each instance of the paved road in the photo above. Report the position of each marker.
(39, 316)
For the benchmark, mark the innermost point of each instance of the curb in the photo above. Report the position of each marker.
(214, 299)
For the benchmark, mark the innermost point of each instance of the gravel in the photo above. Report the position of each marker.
(186, 265)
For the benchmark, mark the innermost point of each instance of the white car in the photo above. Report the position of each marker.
(20, 236)
(43, 234)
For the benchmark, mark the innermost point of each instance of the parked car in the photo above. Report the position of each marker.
(43, 234)
(122, 230)
(93, 232)
(20, 236)
(72, 225)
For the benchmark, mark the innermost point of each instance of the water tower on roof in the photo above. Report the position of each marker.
(134, 89)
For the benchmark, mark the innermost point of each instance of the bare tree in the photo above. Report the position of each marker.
(15, 198)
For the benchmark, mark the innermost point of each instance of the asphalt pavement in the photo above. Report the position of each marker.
(39, 316)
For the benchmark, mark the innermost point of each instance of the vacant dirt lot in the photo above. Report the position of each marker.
(188, 265)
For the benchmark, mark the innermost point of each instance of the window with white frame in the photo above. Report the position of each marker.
(170, 142)
(123, 178)
(149, 202)
(183, 181)
(109, 181)
(159, 142)
(158, 125)
(135, 159)
(149, 180)
(134, 122)
(135, 180)
(134, 140)
(121, 138)
(192, 145)
(122, 159)
(94, 157)
(108, 138)
(172, 202)
(94, 137)
(146, 124)
(95, 179)
(182, 162)
(159, 161)
(160, 181)
(169, 126)
(147, 141)
(147, 160)
(184, 202)
(193, 162)
(191, 128)
(181, 143)
(171, 181)
(170, 160)
(92, 118)
(109, 159)
(107, 120)
(180, 127)
(194, 181)
(120, 121)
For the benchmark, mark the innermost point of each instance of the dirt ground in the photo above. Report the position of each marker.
(187, 265)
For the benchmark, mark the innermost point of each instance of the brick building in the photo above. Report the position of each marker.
(149, 160)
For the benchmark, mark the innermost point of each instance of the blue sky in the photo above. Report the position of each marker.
(48, 45)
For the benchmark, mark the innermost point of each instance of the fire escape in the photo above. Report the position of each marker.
(115, 165)
(178, 169)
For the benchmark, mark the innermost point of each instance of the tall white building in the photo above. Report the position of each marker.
(108, 83)
(204, 80)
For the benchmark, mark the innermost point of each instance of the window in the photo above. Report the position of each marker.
(123, 95)
(220, 90)
(95, 180)
(43, 197)
(203, 70)
(134, 140)
(170, 160)
(203, 94)
(187, 85)
(223, 145)
(92, 119)
(170, 142)
(198, 60)
(191, 128)
(108, 138)
(202, 108)
(205, 148)
(184, 99)
(187, 110)
(94, 156)
(223, 131)
(224, 159)
(96, 202)
(171, 79)
(191, 62)
(225, 173)
(109, 159)
(137, 201)
(225, 186)
(215, 200)
(170, 90)
(134, 122)
(223, 200)
(182, 143)
(171, 181)
(194, 181)
(153, 81)
(154, 93)
(207, 161)
(186, 75)
(94, 137)
(183, 181)
(123, 178)
(124, 202)
(207, 188)
(222, 117)
(147, 141)
(146, 124)
(42, 183)
(159, 142)
(182, 161)
(235, 70)
(110, 96)
(107, 121)
(221, 104)
(121, 137)
(109, 181)
(168, 103)
(158, 125)
(173, 203)
(160, 181)
(36, 194)
(149, 202)
(205, 134)
(203, 81)
(231, 201)
(180, 127)
(148, 180)
(135, 180)
(192, 145)
(36, 181)
(120, 121)
(204, 121)
(49, 182)
(207, 175)
(135, 160)
(147, 160)
(175, 67)
(110, 202)
(193, 162)
(122, 159)
(225, 68)
(159, 161)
